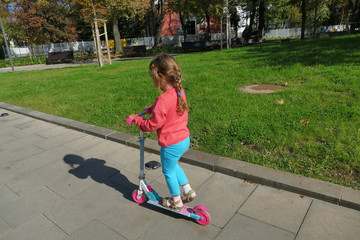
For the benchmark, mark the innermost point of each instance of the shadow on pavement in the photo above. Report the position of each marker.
(99, 172)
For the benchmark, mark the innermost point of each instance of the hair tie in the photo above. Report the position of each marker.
(152, 66)
(180, 93)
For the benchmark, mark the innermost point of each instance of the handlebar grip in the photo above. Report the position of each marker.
(129, 121)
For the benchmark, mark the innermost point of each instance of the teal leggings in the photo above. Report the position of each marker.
(174, 175)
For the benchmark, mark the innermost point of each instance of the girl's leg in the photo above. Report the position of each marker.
(174, 174)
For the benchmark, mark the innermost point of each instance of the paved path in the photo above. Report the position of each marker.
(59, 183)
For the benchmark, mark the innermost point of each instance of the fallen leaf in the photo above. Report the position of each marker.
(201, 157)
(302, 196)
(280, 102)
(304, 122)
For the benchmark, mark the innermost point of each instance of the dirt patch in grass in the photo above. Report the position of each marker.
(261, 88)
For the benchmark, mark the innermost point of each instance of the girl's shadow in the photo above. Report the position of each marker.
(99, 172)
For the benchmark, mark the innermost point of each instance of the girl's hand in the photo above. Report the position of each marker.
(149, 109)
(132, 116)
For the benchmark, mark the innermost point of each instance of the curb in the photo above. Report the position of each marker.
(325, 191)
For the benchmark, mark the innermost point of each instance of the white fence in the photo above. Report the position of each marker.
(296, 32)
(83, 47)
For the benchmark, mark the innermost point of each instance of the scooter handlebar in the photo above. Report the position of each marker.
(129, 121)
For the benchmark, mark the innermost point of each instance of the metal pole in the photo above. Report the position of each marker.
(221, 29)
(6, 44)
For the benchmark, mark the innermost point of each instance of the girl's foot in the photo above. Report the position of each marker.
(174, 203)
(189, 194)
(188, 197)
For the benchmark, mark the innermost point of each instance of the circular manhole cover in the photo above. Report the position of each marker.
(261, 88)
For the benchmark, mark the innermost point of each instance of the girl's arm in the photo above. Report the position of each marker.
(156, 121)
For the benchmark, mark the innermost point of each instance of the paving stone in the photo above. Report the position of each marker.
(31, 181)
(60, 140)
(33, 127)
(279, 208)
(132, 220)
(326, 221)
(84, 207)
(13, 155)
(43, 199)
(84, 174)
(4, 227)
(39, 228)
(20, 143)
(223, 195)
(5, 137)
(13, 122)
(83, 143)
(8, 172)
(178, 227)
(44, 158)
(6, 195)
(56, 130)
(95, 230)
(242, 227)
(17, 212)
(103, 150)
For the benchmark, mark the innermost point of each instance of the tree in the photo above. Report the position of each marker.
(111, 10)
(42, 21)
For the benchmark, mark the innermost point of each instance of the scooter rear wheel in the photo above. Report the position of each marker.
(140, 200)
(206, 218)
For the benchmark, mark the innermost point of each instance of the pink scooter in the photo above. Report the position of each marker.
(146, 193)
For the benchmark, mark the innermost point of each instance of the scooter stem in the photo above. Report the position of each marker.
(142, 158)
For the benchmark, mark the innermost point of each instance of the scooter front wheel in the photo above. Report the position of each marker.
(206, 218)
(140, 200)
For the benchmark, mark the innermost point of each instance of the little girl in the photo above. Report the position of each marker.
(169, 119)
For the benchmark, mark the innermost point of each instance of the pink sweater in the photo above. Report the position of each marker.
(171, 128)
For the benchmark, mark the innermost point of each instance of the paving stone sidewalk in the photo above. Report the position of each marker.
(60, 183)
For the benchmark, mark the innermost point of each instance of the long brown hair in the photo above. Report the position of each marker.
(168, 67)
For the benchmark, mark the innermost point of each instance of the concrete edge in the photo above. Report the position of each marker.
(305, 186)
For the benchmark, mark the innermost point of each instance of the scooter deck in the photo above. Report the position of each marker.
(186, 211)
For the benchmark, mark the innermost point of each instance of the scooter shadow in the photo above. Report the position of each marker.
(97, 170)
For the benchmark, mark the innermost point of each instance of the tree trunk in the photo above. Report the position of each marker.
(183, 26)
(262, 10)
(117, 38)
(303, 17)
(158, 19)
(252, 20)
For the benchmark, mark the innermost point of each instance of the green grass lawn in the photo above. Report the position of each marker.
(323, 77)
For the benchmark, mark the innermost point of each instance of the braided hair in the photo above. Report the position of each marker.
(168, 67)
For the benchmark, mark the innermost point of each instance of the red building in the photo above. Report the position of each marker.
(172, 31)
